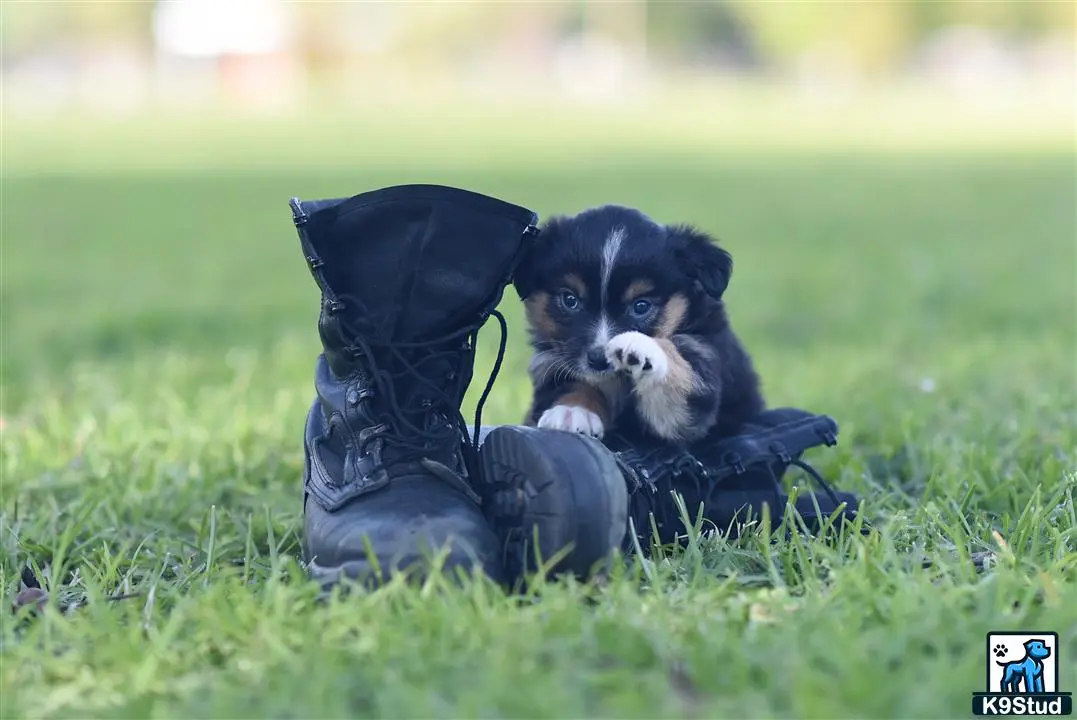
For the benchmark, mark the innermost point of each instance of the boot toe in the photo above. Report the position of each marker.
(564, 492)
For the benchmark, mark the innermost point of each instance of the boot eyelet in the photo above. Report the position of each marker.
(779, 449)
(353, 398)
(426, 404)
(734, 461)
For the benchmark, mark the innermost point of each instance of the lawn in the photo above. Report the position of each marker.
(158, 345)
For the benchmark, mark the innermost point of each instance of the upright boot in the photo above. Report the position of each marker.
(408, 276)
(735, 480)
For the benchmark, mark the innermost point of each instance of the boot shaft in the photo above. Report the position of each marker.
(776, 440)
(405, 265)
(726, 476)
(408, 276)
(415, 261)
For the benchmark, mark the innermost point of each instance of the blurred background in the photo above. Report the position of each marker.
(895, 181)
(272, 56)
(787, 73)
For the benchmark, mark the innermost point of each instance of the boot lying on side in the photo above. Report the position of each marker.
(408, 276)
(736, 479)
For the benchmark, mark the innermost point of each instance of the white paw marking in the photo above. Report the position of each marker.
(572, 419)
(637, 355)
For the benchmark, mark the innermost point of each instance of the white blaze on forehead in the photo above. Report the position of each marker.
(610, 250)
(602, 333)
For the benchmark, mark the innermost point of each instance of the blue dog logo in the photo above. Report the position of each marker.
(1028, 670)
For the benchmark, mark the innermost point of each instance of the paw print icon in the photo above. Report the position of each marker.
(999, 650)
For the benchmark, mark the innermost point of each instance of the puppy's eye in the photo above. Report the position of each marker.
(569, 301)
(641, 307)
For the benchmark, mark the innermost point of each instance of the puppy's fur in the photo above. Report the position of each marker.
(629, 330)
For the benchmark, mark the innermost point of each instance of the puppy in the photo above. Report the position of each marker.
(629, 330)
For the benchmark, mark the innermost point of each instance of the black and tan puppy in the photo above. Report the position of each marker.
(630, 332)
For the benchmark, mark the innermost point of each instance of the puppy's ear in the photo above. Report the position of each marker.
(701, 259)
(526, 275)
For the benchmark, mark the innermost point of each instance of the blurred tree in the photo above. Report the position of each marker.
(32, 26)
(877, 35)
(1021, 17)
(873, 35)
(701, 33)
(436, 32)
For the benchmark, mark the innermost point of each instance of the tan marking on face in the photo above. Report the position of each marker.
(705, 351)
(672, 316)
(537, 310)
(588, 398)
(637, 288)
(575, 283)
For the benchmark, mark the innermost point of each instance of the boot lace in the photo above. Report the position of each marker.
(689, 477)
(428, 417)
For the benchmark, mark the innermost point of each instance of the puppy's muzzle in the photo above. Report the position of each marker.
(596, 359)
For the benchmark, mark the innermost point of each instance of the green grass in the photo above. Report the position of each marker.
(158, 344)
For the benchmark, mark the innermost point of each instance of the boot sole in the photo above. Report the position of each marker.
(328, 577)
(363, 573)
(586, 518)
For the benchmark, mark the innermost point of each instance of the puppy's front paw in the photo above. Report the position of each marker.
(637, 355)
(573, 419)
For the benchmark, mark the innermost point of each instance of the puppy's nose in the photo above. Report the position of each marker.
(596, 359)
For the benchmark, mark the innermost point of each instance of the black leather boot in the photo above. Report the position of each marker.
(735, 480)
(408, 276)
